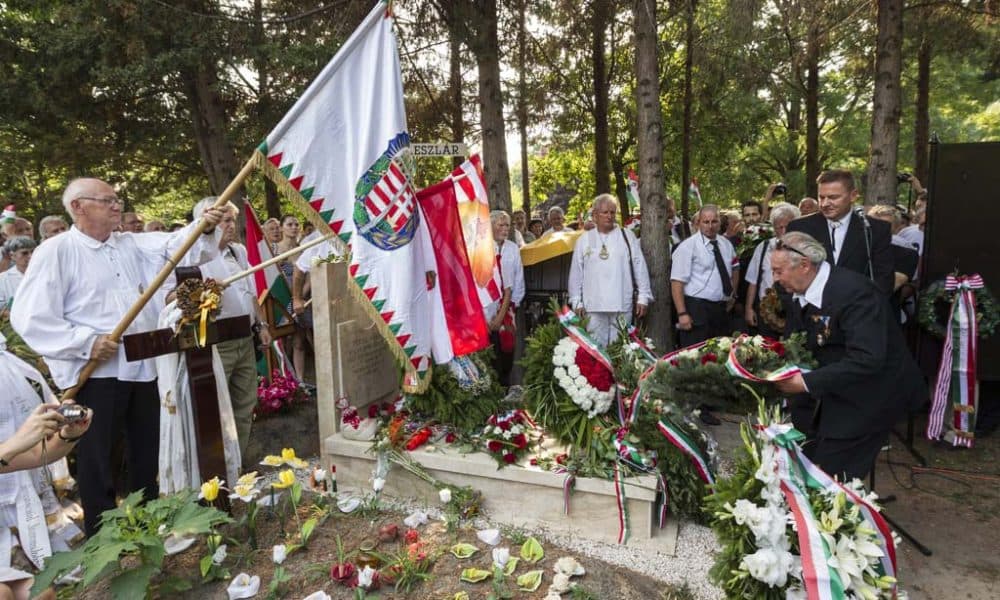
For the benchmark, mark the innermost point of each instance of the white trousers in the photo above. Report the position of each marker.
(603, 326)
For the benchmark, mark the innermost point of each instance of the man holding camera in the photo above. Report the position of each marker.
(852, 241)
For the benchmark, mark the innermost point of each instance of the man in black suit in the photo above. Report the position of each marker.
(851, 241)
(866, 379)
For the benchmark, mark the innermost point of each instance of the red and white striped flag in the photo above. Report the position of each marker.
(474, 212)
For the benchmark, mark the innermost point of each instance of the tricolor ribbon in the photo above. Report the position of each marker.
(687, 447)
(956, 379)
(797, 474)
(633, 334)
(735, 368)
(571, 323)
(628, 454)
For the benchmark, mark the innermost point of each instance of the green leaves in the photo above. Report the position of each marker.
(530, 581)
(463, 550)
(531, 550)
(473, 575)
(132, 583)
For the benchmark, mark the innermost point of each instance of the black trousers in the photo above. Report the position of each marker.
(120, 408)
(503, 362)
(710, 319)
(846, 458)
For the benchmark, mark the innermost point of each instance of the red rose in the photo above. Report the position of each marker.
(708, 357)
(596, 374)
(504, 425)
(778, 348)
(674, 363)
(450, 438)
(412, 536)
(509, 458)
(533, 461)
(520, 440)
(494, 446)
(418, 439)
(561, 458)
(372, 411)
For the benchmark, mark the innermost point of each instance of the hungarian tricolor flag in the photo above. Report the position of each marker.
(474, 212)
(633, 191)
(343, 153)
(694, 192)
(268, 281)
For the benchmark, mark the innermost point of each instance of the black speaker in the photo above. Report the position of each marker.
(962, 231)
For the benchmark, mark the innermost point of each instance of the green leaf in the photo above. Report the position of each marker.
(101, 556)
(195, 519)
(296, 493)
(531, 550)
(206, 564)
(474, 575)
(172, 585)
(530, 581)
(463, 550)
(133, 583)
(511, 565)
(56, 565)
(307, 529)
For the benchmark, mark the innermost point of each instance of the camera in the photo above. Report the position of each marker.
(903, 178)
(780, 190)
(73, 413)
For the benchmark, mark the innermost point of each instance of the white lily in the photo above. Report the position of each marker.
(243, 586)
(501, 556)
(378, 483)
(445, 495)
(365, 577)
(489, 536)
(278, 553)
(220, 555)
(415, 519)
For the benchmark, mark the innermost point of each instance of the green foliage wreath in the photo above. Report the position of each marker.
(935, 310)
(466, 409)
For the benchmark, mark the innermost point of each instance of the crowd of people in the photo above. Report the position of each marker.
(843, 277)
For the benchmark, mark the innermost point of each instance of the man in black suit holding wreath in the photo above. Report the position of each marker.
(866, 376)
(852, 241)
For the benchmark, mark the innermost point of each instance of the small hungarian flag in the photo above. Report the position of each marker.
(268, 281)
(633, 191)
(694, 192)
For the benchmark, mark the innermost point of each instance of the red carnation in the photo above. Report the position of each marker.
(596, 374)
(519, 440)
(509, 458)
(494, 446)
(708, 357)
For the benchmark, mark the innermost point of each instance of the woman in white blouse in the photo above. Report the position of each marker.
(19, 249)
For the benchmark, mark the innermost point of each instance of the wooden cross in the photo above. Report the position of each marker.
(201, 378)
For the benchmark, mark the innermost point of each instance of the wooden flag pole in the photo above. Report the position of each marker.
(276, 259)
(147, 295)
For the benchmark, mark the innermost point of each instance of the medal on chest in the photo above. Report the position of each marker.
(823, 334)
(604, 254)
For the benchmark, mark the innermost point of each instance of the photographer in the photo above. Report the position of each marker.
(23, 450)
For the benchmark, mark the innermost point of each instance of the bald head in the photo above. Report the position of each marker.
(94, 206)
(808, 206)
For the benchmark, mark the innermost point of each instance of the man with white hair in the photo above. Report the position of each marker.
(557, 221)
(758, 275)
(52, 226)
(76, 290)
(866, 379)
(608, 278)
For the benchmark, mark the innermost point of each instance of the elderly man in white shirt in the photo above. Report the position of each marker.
(77, 288)
(19, 249)
(500, 315)
(758, 275)
(608, 278)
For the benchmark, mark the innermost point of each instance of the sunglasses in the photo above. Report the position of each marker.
(783, 246)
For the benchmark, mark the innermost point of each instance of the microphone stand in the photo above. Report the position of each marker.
(860, 212)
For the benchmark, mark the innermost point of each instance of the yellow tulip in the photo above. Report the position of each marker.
(248, 478)
(288, 453)
(286, 478)
(210, 489)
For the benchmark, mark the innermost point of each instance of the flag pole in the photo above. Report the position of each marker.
(276, 259)
(154, 285)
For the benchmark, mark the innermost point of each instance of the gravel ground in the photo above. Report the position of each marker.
(695, 544)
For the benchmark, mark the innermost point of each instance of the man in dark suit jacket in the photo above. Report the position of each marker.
(843, 233)
(866, 379)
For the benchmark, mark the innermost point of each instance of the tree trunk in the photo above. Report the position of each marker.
(686, 134)
(455, 89)
(522, 106)
(922, 127)
(491, 109)
(812, 110)
(599, 25)
(208, 116)
(649, 135)
(272, 202)
(881, 183)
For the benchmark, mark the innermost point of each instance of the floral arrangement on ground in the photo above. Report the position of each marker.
(278, 395)
(775, 503)
(463, 393)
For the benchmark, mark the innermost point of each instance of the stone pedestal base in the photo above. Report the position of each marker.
(516, 496)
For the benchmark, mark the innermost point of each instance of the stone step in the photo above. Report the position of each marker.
(516, 496)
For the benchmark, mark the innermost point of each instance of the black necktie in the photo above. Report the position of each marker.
(727, 283)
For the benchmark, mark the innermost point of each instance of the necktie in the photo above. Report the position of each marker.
(833, 241)
(727, 283)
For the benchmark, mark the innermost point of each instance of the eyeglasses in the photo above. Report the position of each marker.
(783, 246)
(107, 201)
